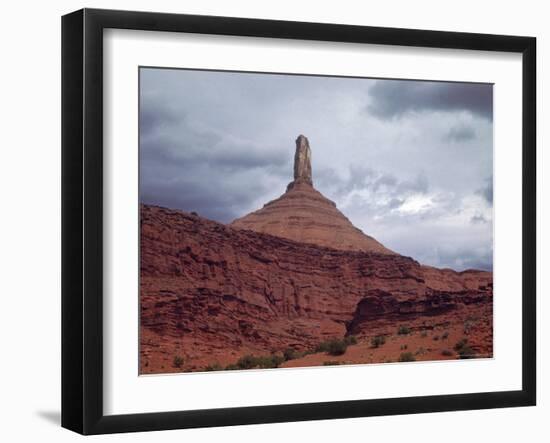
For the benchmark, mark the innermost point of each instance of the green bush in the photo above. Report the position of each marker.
(350, 340)
(290, 354)
(178, 361)
(262, 362)
(331, 363)
(404, 330)
(378, 341)
(337, 347)
(464, 350)
(406, 356)
(333, 347)
(270, 361)
(460, 344)
(213, 367)
(247, 362)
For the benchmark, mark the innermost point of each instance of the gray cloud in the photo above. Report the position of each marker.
(460, 134)
(464, 258)
(487, 190)
(478, 218)
(396, 98)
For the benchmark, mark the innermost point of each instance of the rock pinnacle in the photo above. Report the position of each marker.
(302, 161)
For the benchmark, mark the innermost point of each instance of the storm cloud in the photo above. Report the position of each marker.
(408, 162)
(394, 98)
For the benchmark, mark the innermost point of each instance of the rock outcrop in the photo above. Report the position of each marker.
(304, 215)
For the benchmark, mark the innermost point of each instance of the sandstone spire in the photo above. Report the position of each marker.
(302, 161)
(305, 215)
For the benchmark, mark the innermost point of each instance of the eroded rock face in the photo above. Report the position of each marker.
(212, 293)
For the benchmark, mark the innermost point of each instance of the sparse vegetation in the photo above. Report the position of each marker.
(178, 361)
(464, 350)
(378, 341)
(424, 334)
(350, 340)
(403, 330)
(262, 362)
(447, 353)
(213, 367)
(337, 347)
(331, 363)
(404, 347)
(436, 337)
(246, 362)
(406, 357)
(290, 354)
(445, 335)
(333, 347)
(460, 344)
(231, 367)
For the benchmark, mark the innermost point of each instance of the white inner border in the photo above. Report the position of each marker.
(126, 392)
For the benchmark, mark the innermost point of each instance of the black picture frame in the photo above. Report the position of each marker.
(82, 218)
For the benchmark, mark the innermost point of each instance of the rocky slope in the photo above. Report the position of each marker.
(212, 293)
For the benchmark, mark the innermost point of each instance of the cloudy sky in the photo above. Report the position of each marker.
(408, 162)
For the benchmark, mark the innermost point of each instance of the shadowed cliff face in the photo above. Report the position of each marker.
(213, 293)
(305, 215)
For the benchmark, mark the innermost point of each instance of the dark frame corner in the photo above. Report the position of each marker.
(82, 152)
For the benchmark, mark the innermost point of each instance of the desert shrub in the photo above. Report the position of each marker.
(445, 335)
(464, 350)
(404, 347)
(322, 347)
(436, 337)
(178, 361)
(246, 362)
(331, 363)
(424, 334)
(403, 330)
(460, 344)
(290, 354)
(213, 367)
(447, 353)
(231, 367)
(262, 362)
(332, 347)
(350, 340)
(406, 356)
(337, 347)
(269, 361)
(378, 341)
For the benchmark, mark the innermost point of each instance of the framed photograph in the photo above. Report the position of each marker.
(268, 221)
